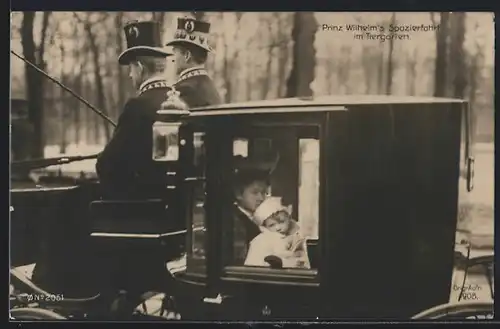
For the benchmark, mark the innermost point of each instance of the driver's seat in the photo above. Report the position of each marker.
(126, 217)
(138, 237)
(150, 223)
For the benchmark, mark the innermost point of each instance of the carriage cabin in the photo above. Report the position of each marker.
(373, 182)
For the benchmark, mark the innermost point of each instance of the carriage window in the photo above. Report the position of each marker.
(276, 199)
(198, 213)
(196, 183)
(165, 141)
(199, 153)
(240, 147)
(309, 187)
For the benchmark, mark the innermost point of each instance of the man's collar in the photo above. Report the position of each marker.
(192, 72)
(156, 78)
(186, 71)
(152, 83)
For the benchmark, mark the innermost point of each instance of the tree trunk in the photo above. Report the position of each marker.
(228, 62)
(266, 80)
(34, 80)
(282, 63)
(76, 107)
(457, 55)
(330, 68)
(304, 55)
(440, 68)
(388, 86)
(282, 52)
(249, 77)
(77, 80)
(101, 99)
(62, 104)
(87, 116)
(226, 75)
(344, 70)
(380, 69)
(411, 72)
(367, 62)
(120, 83)
(158, 16)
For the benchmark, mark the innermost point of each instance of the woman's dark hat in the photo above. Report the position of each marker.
(143, 39)
(192, 31)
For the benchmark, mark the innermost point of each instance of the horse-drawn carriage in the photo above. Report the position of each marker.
(372, 181)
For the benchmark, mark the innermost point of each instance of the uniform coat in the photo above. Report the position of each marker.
(197, 89)
(125, 167)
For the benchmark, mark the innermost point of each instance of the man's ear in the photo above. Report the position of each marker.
(140, 67)
(187, 56)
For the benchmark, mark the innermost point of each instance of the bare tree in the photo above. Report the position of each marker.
(475, 63)
(380, 70)
(61, 104)
(266, 79)
(34, 81)
(119, 49)
(276, 52)
(304, 55)
(94, 48)
(87, 116)
(249, 77)
(457, 54)
(388, 86)
(77, 80)
(330, 68)
(283, 41)
(367, 60)
(159, 16)
(77, 122)
(344, 69)
(228, 63)
(441, 67)
(411, 70)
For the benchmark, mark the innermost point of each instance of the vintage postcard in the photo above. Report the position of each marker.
(251, 166)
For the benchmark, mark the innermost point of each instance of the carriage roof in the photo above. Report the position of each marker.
(314, 104)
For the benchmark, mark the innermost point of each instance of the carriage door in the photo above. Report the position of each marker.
(257, 288)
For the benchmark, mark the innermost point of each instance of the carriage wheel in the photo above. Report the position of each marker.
(29, 313)
(458, 311)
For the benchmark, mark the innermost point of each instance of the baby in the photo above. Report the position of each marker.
(280, 237)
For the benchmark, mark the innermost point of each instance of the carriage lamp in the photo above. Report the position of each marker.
(166, 128)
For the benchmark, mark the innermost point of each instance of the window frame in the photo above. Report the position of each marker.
(285, 276)
(195, 267)
(467, 156)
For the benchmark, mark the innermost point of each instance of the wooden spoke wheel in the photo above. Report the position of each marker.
(458, 311)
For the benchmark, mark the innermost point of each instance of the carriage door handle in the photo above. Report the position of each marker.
(470, 174)
(217, 300)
